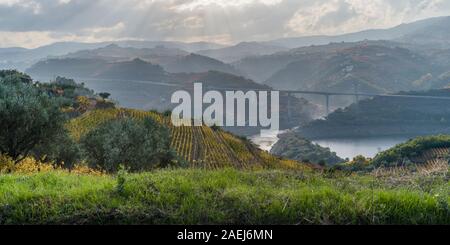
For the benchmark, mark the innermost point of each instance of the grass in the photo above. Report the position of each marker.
(193, 196)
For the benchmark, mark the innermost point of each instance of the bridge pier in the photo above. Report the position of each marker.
(327, 103)
(289, 107)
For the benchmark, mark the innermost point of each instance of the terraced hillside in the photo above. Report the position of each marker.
(422, 151)
(432, 156)
(200, 147)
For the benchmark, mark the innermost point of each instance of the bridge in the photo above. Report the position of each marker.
(327, 95)
(358, 95)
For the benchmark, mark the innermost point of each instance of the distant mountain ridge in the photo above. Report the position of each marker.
(365, 67)
(242, 50)
(171, 59)
(425, 33)
(114, 52)
(194, 63)
(20, 58)
(404, 33)
(374, 67)
(136, 69)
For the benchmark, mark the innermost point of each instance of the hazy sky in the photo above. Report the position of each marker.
(31, 23)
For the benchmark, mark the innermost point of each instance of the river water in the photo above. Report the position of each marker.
(368, 147)
(268, 141)
(344, 148)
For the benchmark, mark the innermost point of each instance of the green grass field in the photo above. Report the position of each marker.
(223, 197)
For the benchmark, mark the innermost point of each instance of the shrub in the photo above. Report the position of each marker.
(167, 113)
(27, 165)
(138, 145)
(104, 95)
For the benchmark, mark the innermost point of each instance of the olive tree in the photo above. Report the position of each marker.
(62, 150)
(28, 118)
(137, 144)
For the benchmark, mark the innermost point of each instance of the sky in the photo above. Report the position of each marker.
(33, 23)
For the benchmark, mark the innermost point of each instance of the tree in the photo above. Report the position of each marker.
(14, 77)
(360, 162)
(139, 145)
(104, 95)
(62, 150)
(28, 118)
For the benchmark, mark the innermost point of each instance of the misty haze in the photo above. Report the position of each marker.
(364, 93)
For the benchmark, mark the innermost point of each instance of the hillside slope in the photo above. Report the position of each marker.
(194, 63)
(293, 111)
(428, 151)
(22, 59)
(374, 68)
(429, 31)
(241, 50)
(386, 116)
(135, 69)
(262, 68)
(292, 146)
(90, 63)
(200, 147)
(113, 53)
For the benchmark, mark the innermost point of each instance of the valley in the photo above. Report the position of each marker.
(89, 133)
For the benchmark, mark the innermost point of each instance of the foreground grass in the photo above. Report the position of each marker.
(220, 197)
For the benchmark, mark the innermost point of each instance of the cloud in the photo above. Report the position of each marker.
(37, 22)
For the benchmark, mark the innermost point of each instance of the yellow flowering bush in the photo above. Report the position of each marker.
(30, 165)
(27, 165)
(84, 169)
(5, 163)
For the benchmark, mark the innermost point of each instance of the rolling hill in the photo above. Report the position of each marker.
(434, 33)
(292, 146)
(365, 67)
(426, 152)
(136, 69)
(128, 84)
(194, 63)
(22, 59)
(171, 59)
(408, 52)
(385, 116)
(113, 53)
(261, 68)
(300, 111)
(428, 31)
(374, 68)
(241, 50)
(200, 147)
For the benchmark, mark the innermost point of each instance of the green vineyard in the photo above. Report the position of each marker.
(433, 158)
(201, 147)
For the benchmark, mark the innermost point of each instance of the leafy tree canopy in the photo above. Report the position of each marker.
(139, 145)
(28, 117)
(13, 77)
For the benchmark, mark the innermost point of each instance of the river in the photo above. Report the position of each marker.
(368, 147)
(268, 141)
(344, 148)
